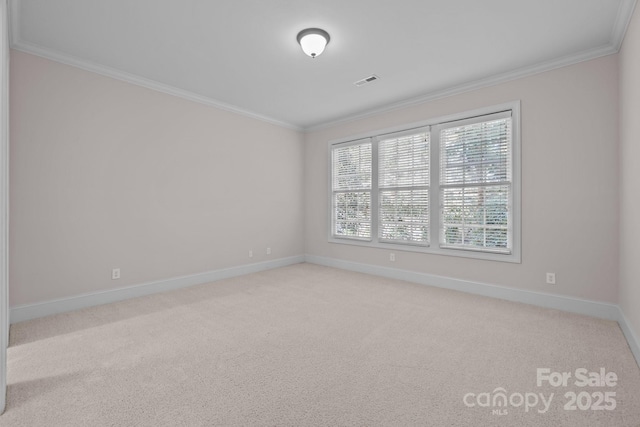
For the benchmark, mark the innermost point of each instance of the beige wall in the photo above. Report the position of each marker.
(107, 174)
(569, 184)
(630, 174)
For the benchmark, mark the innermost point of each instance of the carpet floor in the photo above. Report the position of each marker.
(307, 345)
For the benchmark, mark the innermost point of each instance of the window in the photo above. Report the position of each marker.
(352, 190)
(449, 186)
(403, 188)
(475, 184)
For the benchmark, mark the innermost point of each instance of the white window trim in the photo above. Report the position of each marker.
(434, 210)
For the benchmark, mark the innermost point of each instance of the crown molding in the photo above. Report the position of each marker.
(141, 81)
(494, 80)
(623, 18)
(18, 44)
(625, 13)
(14, 18)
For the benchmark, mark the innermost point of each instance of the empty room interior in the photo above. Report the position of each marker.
(320, 213)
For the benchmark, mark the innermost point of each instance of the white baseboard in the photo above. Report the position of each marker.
(573, 305)
(559, 302)
(33, 311)
(630, 335)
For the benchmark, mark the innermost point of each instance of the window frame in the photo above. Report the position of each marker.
(435, 212)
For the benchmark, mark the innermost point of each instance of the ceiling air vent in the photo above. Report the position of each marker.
(371, 78)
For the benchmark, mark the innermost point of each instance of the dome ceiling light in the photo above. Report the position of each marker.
(313, 41)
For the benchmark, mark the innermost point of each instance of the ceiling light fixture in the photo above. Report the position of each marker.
(313, 41)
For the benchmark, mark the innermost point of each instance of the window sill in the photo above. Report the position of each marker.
(512, 257)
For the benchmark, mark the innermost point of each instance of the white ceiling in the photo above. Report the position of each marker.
(242, 55)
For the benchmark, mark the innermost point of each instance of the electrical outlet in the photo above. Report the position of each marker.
(115, 274)
(392, 257)
(268, 251)
(551, 278)
(250, 254)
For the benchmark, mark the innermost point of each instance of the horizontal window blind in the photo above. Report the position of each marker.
(476, 185)
(448, 186)
(403, 183)
(351, 190)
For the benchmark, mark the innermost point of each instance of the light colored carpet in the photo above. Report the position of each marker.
(308, 345)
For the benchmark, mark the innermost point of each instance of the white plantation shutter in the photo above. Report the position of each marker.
(476, 184)
(403, 184)
(351, 190)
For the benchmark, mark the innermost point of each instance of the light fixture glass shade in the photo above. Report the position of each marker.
(313, 41)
